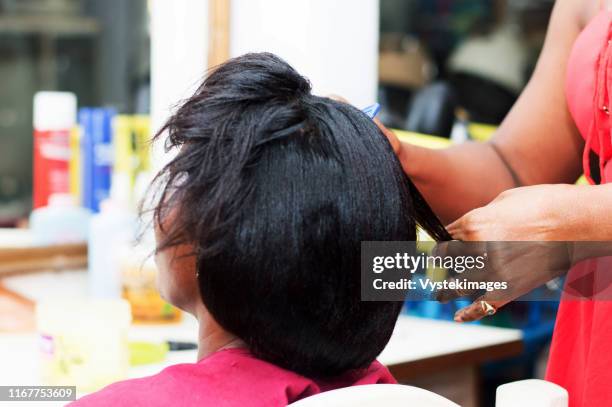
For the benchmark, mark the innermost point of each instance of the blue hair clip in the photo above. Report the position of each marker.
(372, 110)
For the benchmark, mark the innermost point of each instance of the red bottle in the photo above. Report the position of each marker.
(54, 118)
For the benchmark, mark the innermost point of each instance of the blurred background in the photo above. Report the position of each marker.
(464, 59)
(85, 83)
(97, 49)
(439, 60)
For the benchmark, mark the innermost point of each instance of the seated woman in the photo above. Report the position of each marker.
(259, 225)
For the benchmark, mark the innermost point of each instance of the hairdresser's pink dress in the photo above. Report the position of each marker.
(581, 353)
(228, 378)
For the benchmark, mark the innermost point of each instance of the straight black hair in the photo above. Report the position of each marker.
(276, 189)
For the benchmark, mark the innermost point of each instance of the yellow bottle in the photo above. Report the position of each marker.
(74, 165)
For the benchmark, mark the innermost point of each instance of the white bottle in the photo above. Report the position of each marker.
(62, 221)
(112, 232)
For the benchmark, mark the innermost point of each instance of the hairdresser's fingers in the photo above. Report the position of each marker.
(456, 248)
(457, 229)
(441, 248)
(457, 285)
(446, 295)
(479, 309)
(470, 227)
(468, 262)
(395, 143)
(338, 98)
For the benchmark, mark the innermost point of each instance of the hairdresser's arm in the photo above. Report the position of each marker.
(577, 216)
(537, 143)
(541, 213)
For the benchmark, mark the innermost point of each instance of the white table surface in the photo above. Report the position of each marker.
(413, 339)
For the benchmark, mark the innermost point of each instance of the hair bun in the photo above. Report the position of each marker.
(257, 77)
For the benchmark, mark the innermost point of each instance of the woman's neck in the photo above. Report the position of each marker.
(212, 337)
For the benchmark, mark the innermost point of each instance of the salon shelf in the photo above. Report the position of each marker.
(19, 255)
(41, 24)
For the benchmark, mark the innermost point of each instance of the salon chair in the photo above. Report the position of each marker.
(376, 395)
(525, 393)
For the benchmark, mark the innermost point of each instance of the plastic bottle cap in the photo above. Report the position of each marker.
(55, 110)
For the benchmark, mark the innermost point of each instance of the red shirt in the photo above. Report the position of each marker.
(231, 377)
(580, 356)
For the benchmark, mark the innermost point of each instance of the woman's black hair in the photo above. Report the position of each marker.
(276, 189)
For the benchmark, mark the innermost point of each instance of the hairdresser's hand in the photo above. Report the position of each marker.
(538, 213)
(395, 143)
(500, 272)
(535, 213)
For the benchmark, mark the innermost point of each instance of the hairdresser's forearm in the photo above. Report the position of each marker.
(457, 179)
(588, 213)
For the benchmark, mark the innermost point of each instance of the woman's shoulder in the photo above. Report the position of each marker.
(230, 377)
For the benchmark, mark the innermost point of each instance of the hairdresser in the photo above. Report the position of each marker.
(520, 185)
